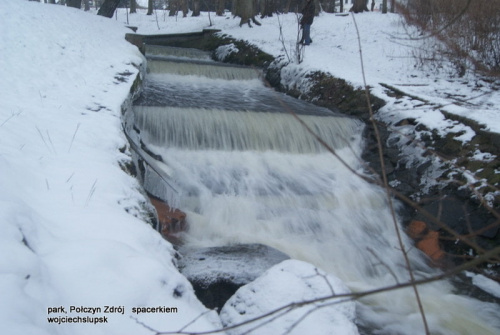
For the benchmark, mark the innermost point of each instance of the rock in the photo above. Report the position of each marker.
(171, 220)
(217, 272)
(417, 229)
(289, 282)
(426, 240)
(429, 244)
(460, 215)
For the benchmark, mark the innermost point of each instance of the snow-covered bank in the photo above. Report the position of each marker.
(72, 224)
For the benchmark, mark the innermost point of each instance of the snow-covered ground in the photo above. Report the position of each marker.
(72, 231)
(72, 226)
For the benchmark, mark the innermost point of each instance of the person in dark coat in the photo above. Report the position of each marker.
(306, 21)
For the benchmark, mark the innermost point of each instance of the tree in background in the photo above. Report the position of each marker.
(196, 8)
(246, 10)
(150, 7)
(359, 6)
(184, 7)
(384, 6)
(267, 8)
(133, 6)
(74, 3)
(108, 8)
(468, 30)
(173, 7)
(328, 5)
(219, 7)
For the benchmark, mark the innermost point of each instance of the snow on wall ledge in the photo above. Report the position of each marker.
(71, 232)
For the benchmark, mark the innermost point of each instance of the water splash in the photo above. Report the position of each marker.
(250, 176)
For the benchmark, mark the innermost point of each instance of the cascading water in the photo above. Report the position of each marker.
(245, 171)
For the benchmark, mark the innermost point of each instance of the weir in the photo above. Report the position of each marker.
(229, 153)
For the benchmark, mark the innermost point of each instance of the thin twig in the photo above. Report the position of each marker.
(43, 138)
(194, 320)
(10, 117)
(370, 250)
(91, 193)
(73, 138)
(282, 38)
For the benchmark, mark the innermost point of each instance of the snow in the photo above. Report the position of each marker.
(72, 221)
(303, 282)
(72, 224)
(485, 283)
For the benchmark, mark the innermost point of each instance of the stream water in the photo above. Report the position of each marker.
(246, 171)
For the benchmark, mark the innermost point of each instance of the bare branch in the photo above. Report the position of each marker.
(386, 186)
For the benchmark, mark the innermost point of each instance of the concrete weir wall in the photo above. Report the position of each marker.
(186, 40)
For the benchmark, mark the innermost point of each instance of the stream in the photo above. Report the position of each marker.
(237, 161)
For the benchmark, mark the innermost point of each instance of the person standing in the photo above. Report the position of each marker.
(306, 21)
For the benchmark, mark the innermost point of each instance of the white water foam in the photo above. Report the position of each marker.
(313, 208)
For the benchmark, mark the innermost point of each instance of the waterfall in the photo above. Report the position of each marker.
(215, 129)
(247, 172)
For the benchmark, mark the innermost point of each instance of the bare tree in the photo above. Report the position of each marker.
(173, 7)
(196, 8)
(133, 6)
(74, 3)
(219, 7)
(108, 8)
(245, 9)
(359, 6)
(184, 7)
(268, 7)
(328, 6)
(150, 7)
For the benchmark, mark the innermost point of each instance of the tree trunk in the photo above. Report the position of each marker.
(133, 6)
(196, 8)
(184, 7)
(74, 3)
(108, 8)
(384, 6)
(286, 9)
(172, 7)
(359, 6)
(268, 8)
(86, 5)
(150, 7)
(219, 9)
(246, 11)
(392, 6)
(341, 9)
(328, 6)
